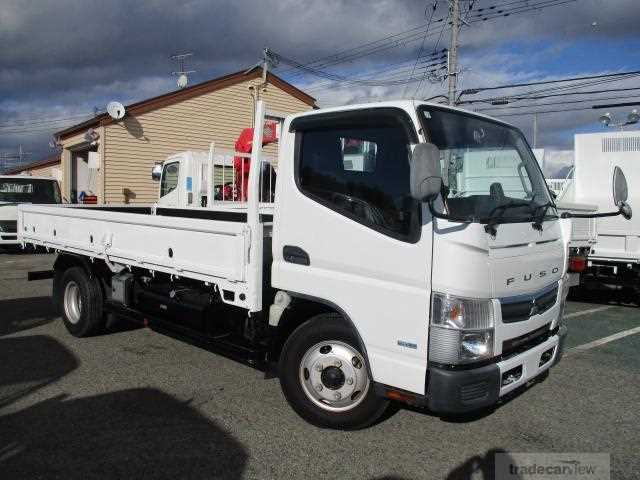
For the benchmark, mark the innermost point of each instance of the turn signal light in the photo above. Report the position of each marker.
(577, 264)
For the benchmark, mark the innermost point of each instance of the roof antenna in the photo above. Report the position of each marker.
(183, 75)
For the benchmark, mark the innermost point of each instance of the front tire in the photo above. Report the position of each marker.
(80, 302)
(324, 376)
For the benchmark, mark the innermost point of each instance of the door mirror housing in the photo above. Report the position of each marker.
(621, 193)
(620, 189)
(156, 172)
(425, 177)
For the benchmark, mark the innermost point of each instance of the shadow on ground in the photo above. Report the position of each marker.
(29, 363)
(605, 296)
(126, 434)
(20, 314)
(481, 467)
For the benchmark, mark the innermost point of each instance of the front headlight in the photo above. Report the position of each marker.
(461, 329)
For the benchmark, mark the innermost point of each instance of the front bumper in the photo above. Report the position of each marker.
(452, 391)
(9, 238)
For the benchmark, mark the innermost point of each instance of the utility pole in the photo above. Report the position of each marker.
(535, 130)
(452, 55)
(267, 60)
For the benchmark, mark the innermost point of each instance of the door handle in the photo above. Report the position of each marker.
(295, 255)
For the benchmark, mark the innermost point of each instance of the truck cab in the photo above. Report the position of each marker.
(183, 179)
(444, 306)
(201, 178)
(19, 189)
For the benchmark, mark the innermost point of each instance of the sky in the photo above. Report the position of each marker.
(60, 60)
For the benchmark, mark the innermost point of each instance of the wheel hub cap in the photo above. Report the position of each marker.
(72, 302)
(333, 376)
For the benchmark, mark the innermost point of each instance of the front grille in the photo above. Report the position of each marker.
(8, 226)
(522, 307)
(517, 345)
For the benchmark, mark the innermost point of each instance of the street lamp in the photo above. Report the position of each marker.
(608, 121)
(605, 119)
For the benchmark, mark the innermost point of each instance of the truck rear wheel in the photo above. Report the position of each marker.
(324, 376)
(80, 302)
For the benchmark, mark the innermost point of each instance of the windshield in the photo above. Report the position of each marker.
(485, 165)
(27, 190)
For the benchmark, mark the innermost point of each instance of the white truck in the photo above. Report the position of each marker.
(17, 189)
(363, 281)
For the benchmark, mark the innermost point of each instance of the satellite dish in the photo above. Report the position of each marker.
(115, 110)
(183, 80)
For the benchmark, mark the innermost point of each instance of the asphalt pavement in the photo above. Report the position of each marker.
(137, 404)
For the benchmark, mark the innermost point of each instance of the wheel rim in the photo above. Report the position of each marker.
(334, 376)
(72, 302)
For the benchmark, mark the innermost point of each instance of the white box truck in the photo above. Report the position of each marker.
(614, 259)
(364, 280)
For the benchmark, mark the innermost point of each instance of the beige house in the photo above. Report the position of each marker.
(48, 167)
(113, 159)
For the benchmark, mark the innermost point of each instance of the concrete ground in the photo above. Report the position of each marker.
(138, 404)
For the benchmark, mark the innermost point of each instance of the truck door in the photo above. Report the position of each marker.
(169, 191)
(348, 233)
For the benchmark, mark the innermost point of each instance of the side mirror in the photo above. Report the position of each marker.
(620, 189)
(621, 193)
(425, 177)
(156, 172)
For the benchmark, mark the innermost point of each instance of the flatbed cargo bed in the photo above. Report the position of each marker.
(206, 244)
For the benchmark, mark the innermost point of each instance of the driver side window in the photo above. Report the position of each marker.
(362, 172)
(169, 178)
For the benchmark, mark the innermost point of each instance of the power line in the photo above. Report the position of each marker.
(470, 91)
(386, 43)
(569, 89)
(481, 17)
(522, 114)
(41, 121)
(565, 94)
(424, 38)
(416, 33)
(392, 67)
(339, 78)
(564, 102)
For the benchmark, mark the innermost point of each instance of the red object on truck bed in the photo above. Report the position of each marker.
(244, 144)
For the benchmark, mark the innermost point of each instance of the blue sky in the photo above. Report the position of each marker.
(60, 59)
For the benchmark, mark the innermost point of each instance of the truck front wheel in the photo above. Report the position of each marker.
(324, 376)
(80, 302)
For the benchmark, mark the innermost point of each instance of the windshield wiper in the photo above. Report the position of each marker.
(538, 218)
(494, 219)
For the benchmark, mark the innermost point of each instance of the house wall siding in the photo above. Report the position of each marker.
(134, 145)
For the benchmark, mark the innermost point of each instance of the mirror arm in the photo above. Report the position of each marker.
(443, 216)
(590, 215)
(620, 211)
